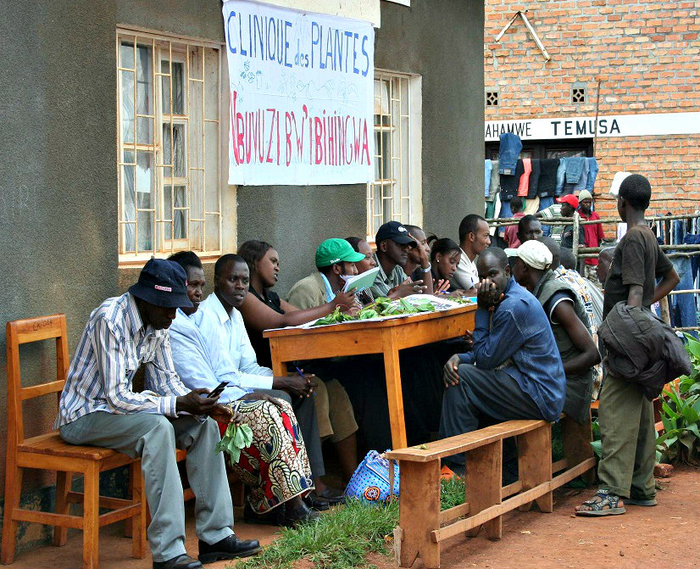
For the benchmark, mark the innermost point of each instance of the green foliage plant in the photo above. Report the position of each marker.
(680, 414)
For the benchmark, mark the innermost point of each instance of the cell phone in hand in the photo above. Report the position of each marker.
(218, 390)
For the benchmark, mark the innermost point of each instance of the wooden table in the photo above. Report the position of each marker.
(385, 337)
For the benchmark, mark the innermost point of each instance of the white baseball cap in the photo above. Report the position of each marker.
(617, 180)
(534, 254)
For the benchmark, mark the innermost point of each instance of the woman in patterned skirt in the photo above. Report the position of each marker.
(275, 466)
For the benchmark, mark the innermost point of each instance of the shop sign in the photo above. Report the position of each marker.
(661, 124)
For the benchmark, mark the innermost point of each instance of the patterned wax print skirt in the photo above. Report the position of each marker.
(276, 466)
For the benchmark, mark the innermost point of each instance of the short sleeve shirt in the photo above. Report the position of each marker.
(383, 283)
(638, 260)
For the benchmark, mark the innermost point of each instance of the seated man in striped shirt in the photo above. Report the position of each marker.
(99, 407)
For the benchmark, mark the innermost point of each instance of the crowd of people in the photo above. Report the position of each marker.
(531, 355)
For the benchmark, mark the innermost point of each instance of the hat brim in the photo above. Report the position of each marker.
(511, 252)
(355, 257)
(404, 240)
(158, 298)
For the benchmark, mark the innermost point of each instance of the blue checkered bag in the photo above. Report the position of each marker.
(372, 481)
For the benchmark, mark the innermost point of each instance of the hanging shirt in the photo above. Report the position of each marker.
(113, 346)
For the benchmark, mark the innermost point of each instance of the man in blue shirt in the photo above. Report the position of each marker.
(514, 370)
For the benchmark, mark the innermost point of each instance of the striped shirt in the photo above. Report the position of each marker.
(113, 346)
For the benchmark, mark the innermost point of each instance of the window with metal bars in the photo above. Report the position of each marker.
(395, 193)
(169, 145)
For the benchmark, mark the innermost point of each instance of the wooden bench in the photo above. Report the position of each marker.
(422, 526)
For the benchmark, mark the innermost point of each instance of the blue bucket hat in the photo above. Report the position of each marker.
(162, 283)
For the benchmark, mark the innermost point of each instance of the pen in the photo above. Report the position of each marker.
(301, 373)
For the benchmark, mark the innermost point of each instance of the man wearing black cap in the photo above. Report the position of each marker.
(393, 242)
(99, 407)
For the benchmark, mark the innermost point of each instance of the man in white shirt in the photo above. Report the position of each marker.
(473, 239)
(223, 329)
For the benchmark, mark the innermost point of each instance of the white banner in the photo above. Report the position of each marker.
(301, 96)
(585, 127)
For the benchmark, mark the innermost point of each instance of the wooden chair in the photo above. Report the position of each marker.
(50, 452)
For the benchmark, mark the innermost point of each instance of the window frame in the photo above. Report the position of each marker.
(413, 155)
(176, 49)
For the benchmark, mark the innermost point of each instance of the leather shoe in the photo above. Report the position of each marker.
(273, 518)
(183, 561)
(228, 548)
(321, 501)
(300, 515)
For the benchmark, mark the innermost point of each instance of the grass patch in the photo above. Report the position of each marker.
(451, 493)
(340, 539)
(343, 537)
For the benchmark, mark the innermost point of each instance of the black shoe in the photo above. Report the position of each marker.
(300, 515)
(321, 501)
(272, 518)
(228, 548)
(183, 561)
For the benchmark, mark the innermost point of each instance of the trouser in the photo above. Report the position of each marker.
(483, 397)
(305, 412)
(154, 438)
(334, 413)
(628, 440)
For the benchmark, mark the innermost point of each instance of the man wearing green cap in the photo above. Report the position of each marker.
(335, 258)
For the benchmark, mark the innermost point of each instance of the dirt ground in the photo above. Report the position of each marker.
(666, 536)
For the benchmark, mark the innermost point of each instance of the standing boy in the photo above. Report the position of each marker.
(626, 469)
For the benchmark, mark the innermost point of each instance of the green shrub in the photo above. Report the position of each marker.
(680, 414)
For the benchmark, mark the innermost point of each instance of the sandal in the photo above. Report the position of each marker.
(602, 504)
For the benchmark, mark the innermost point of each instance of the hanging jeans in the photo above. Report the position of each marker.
(592, 173)
(487, 177)
(544, 204)
(508, 153)
(683, 310)
(561, 176)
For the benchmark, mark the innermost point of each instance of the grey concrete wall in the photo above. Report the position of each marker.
(58, 212)
(443, 41)
(296, 219)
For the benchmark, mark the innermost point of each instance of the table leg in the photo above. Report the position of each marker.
(279, 368)
(392, 372)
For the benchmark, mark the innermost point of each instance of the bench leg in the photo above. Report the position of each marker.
(419, 510)
(535, 464)
(483, 485)
(577, 445)
(91, 512)
(64, 481)
(13, 489)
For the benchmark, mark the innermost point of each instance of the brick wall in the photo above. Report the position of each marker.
(646, 56)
